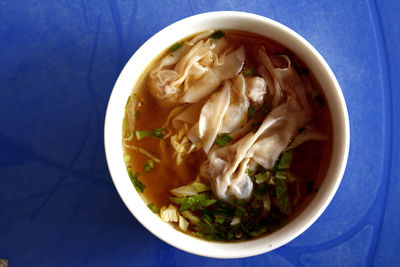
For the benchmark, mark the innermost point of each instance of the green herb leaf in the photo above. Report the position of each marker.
(157, 133)
(153, 207)
(175, 47)
(248, 171)
(194, 202)
(223, 139)
(282, 196)
(285, 160)
(178, 200)
(147, 168)
(217, 35)
(149, 165)
(135, 181)
(219, 220)
(248, 72)
(206, 203)
(301, 129)
(251, 110)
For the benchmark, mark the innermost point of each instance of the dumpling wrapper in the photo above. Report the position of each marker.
(211, 116)
(209, 82)
(236, 115)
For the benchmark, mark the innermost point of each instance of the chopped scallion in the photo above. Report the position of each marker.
(142, 134)
(135, 181)
(149, 165)
(217, 35)
(223, 139)
(159, 133)
(189, 43)
(125, 124)
(175, 47)
(153, 207)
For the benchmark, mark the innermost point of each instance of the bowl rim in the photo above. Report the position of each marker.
(152, 222)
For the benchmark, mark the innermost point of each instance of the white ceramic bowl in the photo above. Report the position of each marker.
(153, 47)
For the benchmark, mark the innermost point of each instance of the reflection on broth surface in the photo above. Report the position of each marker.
(227, 135)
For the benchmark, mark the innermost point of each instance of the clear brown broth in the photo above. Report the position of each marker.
(310, 160)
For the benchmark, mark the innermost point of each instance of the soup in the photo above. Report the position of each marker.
(227, 135)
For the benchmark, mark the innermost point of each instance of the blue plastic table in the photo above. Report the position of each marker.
(58, 63)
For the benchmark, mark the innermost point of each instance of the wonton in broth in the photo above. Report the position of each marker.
(227, 135)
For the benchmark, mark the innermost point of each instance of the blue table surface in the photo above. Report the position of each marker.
(58, 64)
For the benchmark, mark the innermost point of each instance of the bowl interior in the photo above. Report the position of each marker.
(135, 67)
